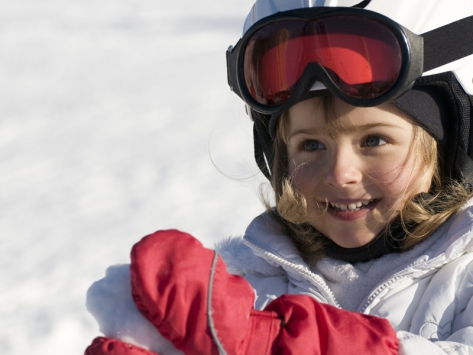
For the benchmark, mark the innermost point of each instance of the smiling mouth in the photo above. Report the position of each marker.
(351, 207)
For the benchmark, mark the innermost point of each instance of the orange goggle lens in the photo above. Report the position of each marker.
(361, 56)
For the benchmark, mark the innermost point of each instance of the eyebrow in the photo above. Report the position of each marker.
(342, 129)
(308, 131)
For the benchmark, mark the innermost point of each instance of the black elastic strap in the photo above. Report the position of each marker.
(259, 154)
(448, 43)
(263, 143)
(470, 142)
(362, 4)
(465, 165)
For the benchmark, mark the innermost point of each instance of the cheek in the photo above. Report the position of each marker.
(306, 177)
(397, 178)
(388, 172)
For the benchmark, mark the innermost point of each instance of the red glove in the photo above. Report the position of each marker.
(107, 346)
(174, 278)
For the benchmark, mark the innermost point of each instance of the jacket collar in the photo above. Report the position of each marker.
(454, 238)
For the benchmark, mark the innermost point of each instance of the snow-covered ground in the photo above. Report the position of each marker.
(115, 121)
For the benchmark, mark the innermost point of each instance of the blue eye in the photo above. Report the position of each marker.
(374, 141)
(312, 145)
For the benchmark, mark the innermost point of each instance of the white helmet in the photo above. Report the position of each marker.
(419, 16)
(441, 100)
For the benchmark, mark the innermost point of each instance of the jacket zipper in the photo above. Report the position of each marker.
(401, 274)
(375, 294)
(300, 268)
(305, 271)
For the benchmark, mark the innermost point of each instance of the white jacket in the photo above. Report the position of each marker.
(426, 293)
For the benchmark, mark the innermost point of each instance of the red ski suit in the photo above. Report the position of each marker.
(184, 290)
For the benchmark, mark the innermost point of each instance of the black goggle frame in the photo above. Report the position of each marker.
(416, 51)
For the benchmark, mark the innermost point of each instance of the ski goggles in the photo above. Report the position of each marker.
(361, 56)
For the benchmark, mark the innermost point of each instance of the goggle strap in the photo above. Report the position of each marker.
(362, 4)
(448, 43)
(259, 151)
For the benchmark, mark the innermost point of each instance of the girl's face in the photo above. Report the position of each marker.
(355, 170)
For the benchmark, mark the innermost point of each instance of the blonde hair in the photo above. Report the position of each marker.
(420, 216)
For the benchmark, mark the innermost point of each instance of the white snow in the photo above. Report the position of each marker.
(109, 300)
(115, 121)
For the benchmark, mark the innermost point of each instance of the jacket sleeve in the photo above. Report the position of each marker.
(411, 344)
(267, 288)
(443, 322)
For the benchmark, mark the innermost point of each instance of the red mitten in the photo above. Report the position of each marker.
(186, 292)
(107, 346)
(311, 327)
(170, 275)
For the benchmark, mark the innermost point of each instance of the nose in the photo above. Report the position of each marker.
(344, 169)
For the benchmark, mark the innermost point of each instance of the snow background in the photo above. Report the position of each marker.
(115, 120)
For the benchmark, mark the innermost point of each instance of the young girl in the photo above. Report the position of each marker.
(363, 129)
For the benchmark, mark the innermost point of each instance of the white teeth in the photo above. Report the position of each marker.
(351, 206)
